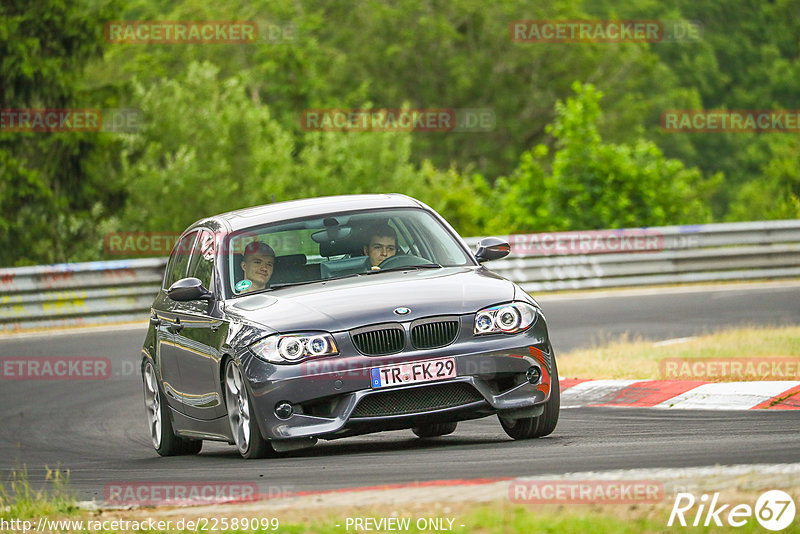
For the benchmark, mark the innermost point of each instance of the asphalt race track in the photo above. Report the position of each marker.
(97, 429)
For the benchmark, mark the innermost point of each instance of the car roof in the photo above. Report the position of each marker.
(295, 209)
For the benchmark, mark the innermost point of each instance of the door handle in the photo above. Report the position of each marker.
(175, 328)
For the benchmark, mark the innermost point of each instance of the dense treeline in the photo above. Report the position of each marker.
(577, 142)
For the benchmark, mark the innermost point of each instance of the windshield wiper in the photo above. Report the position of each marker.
(304, 282)
(407, 267)
(419, 266)
(289, 284)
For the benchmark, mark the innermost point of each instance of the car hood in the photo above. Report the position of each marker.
(337, 305)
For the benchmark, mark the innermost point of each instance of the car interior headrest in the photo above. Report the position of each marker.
(238, 273)
(290, 260)
(351, 245)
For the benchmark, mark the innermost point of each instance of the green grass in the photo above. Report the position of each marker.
(19, 500)
(523, 519)
(498, 517)
(507, 519)
(627, 358)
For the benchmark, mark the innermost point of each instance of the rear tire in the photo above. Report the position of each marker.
(542, 425)
(434, 430)
(246, 434)
(162, 435)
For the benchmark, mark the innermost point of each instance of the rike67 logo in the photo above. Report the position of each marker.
(774, 510)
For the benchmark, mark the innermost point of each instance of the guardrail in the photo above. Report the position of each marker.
(71, 294)
(665, 255)
(112, 291)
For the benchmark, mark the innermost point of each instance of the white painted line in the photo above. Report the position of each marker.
(697, 480)
(667, 473)
(585, 294)
(593, 392)
(727, 395)
(673, 341)
(75, 330)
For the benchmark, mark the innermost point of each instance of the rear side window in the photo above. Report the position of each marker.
(179, 259)
(202, 261)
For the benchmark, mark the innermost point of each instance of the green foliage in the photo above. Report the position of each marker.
(55, 187)
(221, 125)
(594, 184)
(204, 148)
(22, 501)
(748, 58)
(777, 194)
(444, 55)
(493, 519)
(333, 163)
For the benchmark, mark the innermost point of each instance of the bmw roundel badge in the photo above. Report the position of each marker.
(402, 311)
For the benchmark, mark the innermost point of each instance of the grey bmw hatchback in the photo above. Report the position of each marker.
(279, 325)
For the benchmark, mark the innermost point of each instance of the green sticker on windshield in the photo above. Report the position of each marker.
(244, 284)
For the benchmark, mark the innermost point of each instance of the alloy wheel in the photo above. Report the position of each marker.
(238, 407)
(152, 401)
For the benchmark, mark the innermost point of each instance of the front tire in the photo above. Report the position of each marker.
(434, 430)
(542, 425)
(162, 435)
(248, 438)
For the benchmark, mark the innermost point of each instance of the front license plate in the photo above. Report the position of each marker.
(413, 372)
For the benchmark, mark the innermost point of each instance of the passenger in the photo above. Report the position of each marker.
(257, 264)
(382, 244)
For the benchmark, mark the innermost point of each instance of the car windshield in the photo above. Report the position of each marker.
(338, 245)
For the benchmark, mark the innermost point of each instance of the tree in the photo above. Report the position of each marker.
(56, 187)
(776, 192)
(204, 148)
(594, 185)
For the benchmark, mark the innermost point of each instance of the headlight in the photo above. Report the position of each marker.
(292, 348)
(505, 318)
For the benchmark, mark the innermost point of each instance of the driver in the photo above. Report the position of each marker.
(257, 264)
(382, 244)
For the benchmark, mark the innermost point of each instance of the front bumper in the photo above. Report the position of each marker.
(333, 397)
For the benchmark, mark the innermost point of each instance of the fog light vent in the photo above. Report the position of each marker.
(533, 374)
(283, 410)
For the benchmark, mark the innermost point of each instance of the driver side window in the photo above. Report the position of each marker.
(202, 262)
(179, 259)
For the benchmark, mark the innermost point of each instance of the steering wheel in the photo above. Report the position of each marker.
(403, 260)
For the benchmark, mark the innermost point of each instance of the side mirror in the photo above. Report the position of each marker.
(187, 289)
(492, 248)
